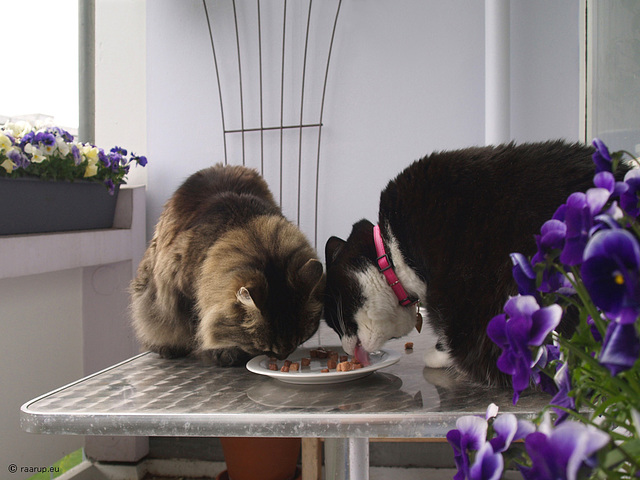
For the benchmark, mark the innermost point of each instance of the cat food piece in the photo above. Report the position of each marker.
(287, 363)
(305, 362)
(355, 366)
(344, 367)
(319, 353)
(344, 358)
(285, 368)
(332, 364)
(333, 356)
(324, 370)
(408, 346)
(273, 366)
(294, 367)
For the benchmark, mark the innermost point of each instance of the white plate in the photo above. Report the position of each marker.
(312, 375)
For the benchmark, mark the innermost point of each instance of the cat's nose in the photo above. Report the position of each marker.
(279, 356)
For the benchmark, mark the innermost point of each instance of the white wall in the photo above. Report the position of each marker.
(41, 345)
(406, 78)
(120, 90)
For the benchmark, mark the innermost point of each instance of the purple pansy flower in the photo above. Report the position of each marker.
(561, 453)
(601, 156)
(59, 132)
(605, 180)
(621, 347)
(611, 272)
(115, 159)
(18, 158)
(45, 138)
(470, 434)
(507, 428)
(562, 398)
(523, 274)
(552, 235)
(469, 437)
(27, 138)
(104, 158)
(523, 325)
(594, 329)
(75, 152)
(140, 160)
(581, 208)
(548, 384)
(488, 465)
(629, 198)
(110, 185)
(119, 150)
(551, 240)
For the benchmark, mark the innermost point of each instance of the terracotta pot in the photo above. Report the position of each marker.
(224, 475)
(250, 458)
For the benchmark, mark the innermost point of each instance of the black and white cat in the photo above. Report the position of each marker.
(447, 225)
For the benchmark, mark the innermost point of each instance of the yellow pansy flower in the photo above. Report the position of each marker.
(5, 142)
(90, 152)
(8, 165)
(91, 170)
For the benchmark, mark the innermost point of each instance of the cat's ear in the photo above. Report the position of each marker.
(333, 248)
(253, 292)
(244, 297)
(311, 272)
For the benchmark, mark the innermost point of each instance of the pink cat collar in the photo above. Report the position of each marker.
(386, 267)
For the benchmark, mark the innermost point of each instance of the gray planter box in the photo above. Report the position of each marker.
(31, 205)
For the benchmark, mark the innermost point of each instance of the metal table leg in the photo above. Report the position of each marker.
(346, 458)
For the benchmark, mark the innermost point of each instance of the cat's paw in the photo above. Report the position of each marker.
(438, 357)
(226, 357)
(170, 352)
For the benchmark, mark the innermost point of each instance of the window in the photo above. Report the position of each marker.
(612, 74)
(40, 80)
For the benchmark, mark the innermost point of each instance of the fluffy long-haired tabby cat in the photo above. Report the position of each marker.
(448, 224)
(226, 275)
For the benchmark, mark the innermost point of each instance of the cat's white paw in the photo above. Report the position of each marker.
(436, 358)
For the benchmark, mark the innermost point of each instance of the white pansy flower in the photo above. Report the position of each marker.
(63, 147)
(48, 149)
(18, 129)
(38, 158)
(36, 155)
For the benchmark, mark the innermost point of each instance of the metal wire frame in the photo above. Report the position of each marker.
(282, 127)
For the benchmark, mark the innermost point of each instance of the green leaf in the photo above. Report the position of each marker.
(627, 451)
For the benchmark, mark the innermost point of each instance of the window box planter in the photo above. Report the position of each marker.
(32, 205)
